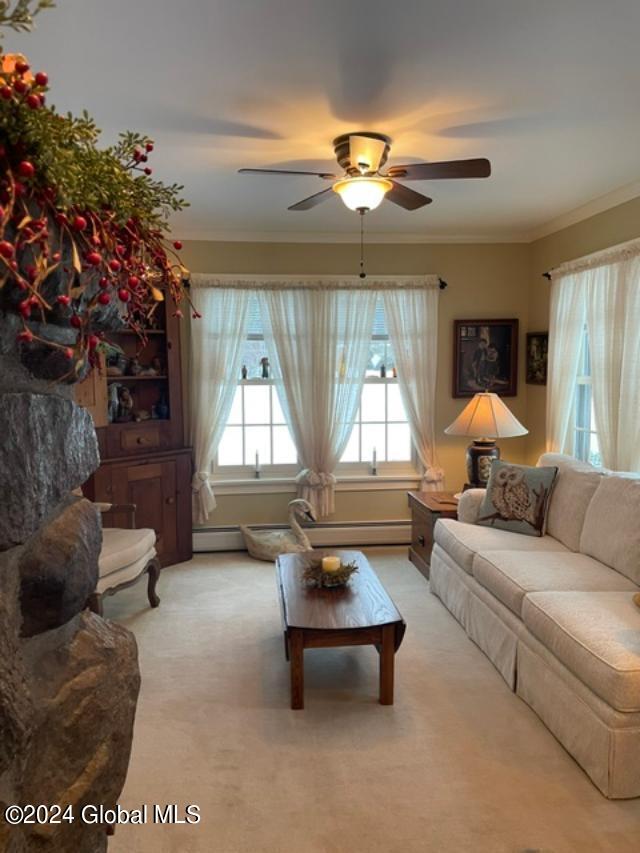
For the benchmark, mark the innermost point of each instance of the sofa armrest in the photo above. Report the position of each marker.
(469, 505)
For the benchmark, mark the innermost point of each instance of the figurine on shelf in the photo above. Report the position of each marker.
(265, 367)
(125, 405)
(155, 368)
(244, 371)
(114, 402)
(161, 408)
(134, 368)
(116, 363)
(394, 372)
(383, 372)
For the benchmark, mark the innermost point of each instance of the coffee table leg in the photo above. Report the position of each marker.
(387, 653)
(296, 653)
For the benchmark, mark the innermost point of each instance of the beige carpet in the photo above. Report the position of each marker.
(457, 764)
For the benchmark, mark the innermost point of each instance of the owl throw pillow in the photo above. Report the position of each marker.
(517, 498)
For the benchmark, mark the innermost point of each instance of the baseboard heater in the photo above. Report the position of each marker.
(323, 535)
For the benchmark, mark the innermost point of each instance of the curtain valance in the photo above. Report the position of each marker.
(302, 282)
(612, 255)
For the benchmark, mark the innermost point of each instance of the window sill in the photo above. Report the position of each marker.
(278, 485)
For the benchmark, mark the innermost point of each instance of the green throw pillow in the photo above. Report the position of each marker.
(517, 498)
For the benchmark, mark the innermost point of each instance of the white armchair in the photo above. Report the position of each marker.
(127, 554)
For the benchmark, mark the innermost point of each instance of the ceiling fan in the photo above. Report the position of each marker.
(363, 185)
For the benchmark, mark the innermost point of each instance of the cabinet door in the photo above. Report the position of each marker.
(152, 488)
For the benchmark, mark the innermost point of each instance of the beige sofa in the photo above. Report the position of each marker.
(555, 614)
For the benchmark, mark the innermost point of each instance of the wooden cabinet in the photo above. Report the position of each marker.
(144, 462)
(160, 487)
(426, 508)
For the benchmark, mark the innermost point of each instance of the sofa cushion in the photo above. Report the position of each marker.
(611, 531)
(462, 541)
(596, 635)
(517, 498)
(575, 485)
(510, 575)
(121, 548)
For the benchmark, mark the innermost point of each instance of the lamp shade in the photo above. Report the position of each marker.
(486, 416)
(362, 193)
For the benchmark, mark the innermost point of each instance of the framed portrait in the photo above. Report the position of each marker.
(485, 357)
(537, 356)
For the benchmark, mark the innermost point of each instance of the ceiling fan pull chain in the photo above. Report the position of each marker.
(362, 272)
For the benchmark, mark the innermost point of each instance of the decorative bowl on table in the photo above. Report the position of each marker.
(327, 572)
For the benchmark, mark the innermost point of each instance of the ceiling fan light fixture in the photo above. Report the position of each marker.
(362, 193)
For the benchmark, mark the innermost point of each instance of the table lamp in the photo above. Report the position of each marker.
(486, 418)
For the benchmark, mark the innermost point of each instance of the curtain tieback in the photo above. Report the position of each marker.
(199, 481)
(433, 474)
(315, 479)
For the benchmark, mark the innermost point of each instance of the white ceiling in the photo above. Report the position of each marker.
(549, 91)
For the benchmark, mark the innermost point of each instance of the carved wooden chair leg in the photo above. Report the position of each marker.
(94, 603)
(153, 570)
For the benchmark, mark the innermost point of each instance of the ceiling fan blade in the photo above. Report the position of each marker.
(478, 168)
(365, 153)
(284, 172)
(312, 200)
(407, 198)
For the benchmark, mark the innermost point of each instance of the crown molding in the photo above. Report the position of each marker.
(585, 211)
(372, 237)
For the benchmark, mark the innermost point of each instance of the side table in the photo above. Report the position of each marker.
(426, 508)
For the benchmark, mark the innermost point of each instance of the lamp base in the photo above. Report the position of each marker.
(480, 455)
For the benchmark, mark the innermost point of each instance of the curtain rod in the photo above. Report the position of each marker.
(442, 284)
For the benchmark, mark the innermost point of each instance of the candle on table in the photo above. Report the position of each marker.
(331, 564)
(257, 464)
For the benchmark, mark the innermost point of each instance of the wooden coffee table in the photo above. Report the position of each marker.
(358, 614)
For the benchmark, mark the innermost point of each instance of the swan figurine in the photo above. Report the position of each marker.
(268, 544)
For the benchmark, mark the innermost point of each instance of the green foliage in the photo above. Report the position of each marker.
(19, 15)
(65, 152)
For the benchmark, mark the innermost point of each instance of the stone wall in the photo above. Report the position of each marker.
(69, 680)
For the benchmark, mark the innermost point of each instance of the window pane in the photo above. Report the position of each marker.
(257, 440)
(396, 410)
(230, 449)
(352, 450)
(399, 443)
(278, 414)
(373, 436)
(377, 357)
(594, 450)
(235, 416)
(284, 450)
(372, 405)
(256, 404)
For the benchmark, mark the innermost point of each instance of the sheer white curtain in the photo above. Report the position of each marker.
(612, 294)
(412, 322)
(318, 339)
(566, 333)
(217, 340)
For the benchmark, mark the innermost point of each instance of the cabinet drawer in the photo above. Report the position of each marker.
(141, 438)
(422, 535)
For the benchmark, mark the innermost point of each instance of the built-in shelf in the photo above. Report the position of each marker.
(134, 378)
(146, 332)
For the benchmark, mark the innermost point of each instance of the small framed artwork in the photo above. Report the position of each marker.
(485, 357)
(537, 355)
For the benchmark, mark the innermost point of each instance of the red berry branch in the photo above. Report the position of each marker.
(81, 228)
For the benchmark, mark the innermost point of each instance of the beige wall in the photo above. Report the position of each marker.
(485, 281)
(598, 232)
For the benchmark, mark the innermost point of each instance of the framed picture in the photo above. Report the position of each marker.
(485, 357)
(537, 354)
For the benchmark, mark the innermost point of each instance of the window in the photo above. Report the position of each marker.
(256, 431)
(587, 446)
(381, 421)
